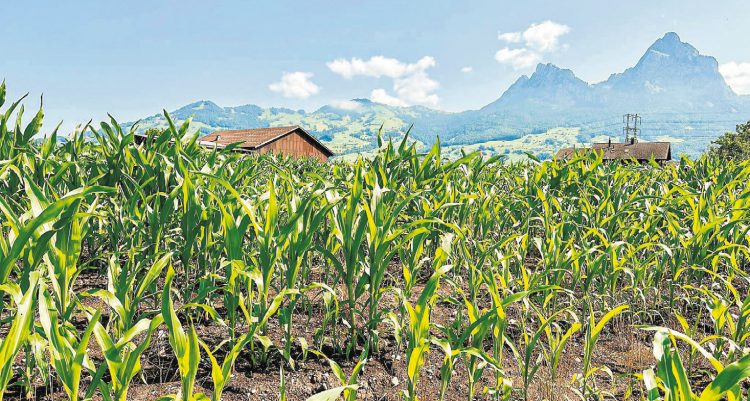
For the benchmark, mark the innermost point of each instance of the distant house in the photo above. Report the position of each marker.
(292, 141)
(641, 152)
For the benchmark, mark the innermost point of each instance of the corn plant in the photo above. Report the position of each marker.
(528, 363)
(185, 345)
(126, 289)
(298, 233)
(671, 377)
(593, 331)
(40, 229)
(20, 330)
(557, 338)
(418, 338)
(220, 374)
(123, 356)
(348, 383)
(67, 351)
(350, 225)
(383, 238)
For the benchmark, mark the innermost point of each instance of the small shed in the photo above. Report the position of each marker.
(292, 141)
(642, 152)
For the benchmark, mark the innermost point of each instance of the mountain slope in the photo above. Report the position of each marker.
(671, 75)
(344, 130)
(551, 88)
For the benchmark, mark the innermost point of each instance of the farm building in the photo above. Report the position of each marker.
(293, 141)
(642, 152)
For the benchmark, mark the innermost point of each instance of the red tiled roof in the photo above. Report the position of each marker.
(567, 153)
(250, 138)
(661, 151)
(255, 138)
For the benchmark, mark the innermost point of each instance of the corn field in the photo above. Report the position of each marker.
(165, 270)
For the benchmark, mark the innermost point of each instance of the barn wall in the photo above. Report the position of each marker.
(296, 145)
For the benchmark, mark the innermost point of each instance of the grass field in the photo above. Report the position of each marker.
(139, 271)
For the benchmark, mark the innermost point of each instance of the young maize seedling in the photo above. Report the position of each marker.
(530, 343)
(185, 346)
(123, 357)
(384, 238)
(270, 248)
(256, 322)
(350, 226)
(124, 293)
(671, 376)
(220, 374)
(593, 330)
(450, 356)
(234, 233)
(557, 339)
(67, 352)
(298, 233)
(418, 337)
(348, 384)
(39, 228)
(20, 329)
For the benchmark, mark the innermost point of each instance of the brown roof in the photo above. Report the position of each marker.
(255, 138)
(566, 153)
(660, 151)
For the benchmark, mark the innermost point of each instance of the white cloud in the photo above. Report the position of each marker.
(378, 66)
(544, 36)
(411, 83)
(381, 96)
(538, 39)
(511, 37)
(295, 85)
(518, 58)
(467, 70)
(416, 89)
(737, 76)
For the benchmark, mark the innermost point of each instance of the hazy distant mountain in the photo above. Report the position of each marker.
(672, 75)
(550, 89)
(680, 93)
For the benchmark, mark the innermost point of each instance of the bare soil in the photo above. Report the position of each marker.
(622, 351)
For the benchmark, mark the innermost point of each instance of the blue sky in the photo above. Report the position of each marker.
(134, 58)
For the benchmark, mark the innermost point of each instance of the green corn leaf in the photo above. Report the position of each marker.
(2, 93)
(331, 394)
(151, 275)
(727, 381)
(18, 334)
(605, 319)
(34, 126)
(649, 379)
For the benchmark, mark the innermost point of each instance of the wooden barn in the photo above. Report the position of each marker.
(641, 152)
(293, 141)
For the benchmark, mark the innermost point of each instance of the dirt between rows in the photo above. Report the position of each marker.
(622, 352)
(384, 376)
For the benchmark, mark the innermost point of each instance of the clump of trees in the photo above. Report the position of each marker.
(733, 145)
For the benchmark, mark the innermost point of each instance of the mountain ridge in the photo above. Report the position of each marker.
(671, 78)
